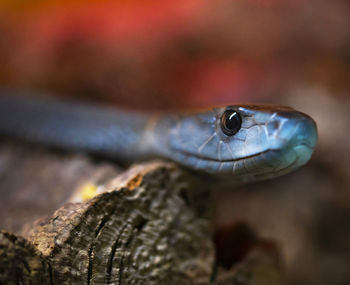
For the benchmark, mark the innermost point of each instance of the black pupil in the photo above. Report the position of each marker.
(231, 122)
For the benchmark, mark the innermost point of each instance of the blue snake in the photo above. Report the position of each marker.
(240, 143)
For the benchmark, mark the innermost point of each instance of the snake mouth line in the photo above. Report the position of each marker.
(227, 160)
(307, 144)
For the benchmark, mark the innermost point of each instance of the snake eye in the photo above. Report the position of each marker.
(231, 122)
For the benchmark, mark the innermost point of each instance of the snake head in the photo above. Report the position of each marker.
(243, 143)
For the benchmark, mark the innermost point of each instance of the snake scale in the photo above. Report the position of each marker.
(240, 143)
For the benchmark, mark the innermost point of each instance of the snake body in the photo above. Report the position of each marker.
(269, 142)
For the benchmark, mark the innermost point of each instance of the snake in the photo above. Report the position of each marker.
(238, 143)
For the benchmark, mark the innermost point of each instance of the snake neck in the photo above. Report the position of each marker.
(74, 126)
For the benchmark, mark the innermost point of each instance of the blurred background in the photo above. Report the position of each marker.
(160, 55)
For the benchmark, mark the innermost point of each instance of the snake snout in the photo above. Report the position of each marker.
(304, 140)
(296, 137)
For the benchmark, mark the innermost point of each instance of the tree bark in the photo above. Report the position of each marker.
(150, 224)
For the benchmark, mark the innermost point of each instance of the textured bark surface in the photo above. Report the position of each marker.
(21, 262)
(151, 224)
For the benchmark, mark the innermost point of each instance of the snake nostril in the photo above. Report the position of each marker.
(273, 126)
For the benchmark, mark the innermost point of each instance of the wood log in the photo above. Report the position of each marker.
(150, 224)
